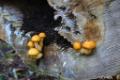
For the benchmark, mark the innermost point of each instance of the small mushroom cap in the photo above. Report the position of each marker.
(89, 44)
(85, 51)
(33, 52)
(42, 35)
(39, 56)
(35, 38)
(30, 44)
(77, 45)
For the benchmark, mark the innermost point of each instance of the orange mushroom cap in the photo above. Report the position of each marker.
(33, 52)
(85, 51)
(42, 35)
(35, 38)
(30, 44)
(89, 44)
(77, 45)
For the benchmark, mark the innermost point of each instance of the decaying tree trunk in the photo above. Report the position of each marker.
(106, 59)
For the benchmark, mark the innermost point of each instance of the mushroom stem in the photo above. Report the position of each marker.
(39, 47)
(41, 42)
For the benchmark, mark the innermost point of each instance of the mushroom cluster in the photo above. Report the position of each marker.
(35, 45)
(84, 47)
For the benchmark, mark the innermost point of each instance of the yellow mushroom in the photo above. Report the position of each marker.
(35, 38)
(42, 35)
(85, 51)
(39, 56)
(77, 45)
(89, 44)
(33, 52)
(30, 44)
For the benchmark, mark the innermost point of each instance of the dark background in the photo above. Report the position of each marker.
(38, 17)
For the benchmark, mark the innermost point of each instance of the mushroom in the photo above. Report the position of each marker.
(42, 35)
(37, 42)
(34, 53)
(77, 45)
(85, 51)
(89, 44)
(36, 39)
(30, 44)
(39, 56)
